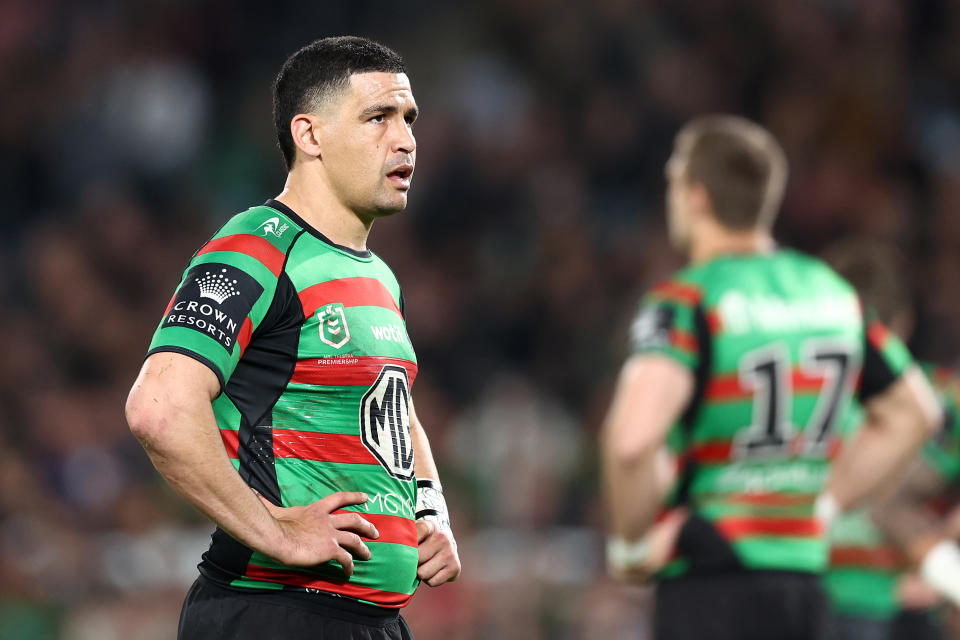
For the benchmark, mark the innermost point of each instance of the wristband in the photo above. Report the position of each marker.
(826, 509)
(624, 555)
(431, 504)
(940, 569)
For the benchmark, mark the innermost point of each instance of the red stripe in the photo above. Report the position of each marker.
(243, 338)
(728, 387)
(734, 528)
(684, 340)
(771, 499)
(678, 291)
(383, 598)
(878, 334)
(253, 246)
(322, 447)
(711, 452)
(170, 305)
(350, 292)
(394, 529)
(231, 442)
(348, 371)
(868, 557)
(714, 322)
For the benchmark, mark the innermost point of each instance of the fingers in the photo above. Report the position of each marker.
(343, 556)
(430, 546)
(340, 499)
(350, 521)
(352, 543)
(443, 567)
(424, 529)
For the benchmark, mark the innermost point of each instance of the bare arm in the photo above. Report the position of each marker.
(898, 421)
(439, 561)
(169, 411)
(904, 519)
(651, 394)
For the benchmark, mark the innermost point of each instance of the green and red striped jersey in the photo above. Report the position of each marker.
(864, 567)
(779, 347)
(309, 342)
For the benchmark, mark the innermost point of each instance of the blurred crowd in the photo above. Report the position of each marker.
(131, 131)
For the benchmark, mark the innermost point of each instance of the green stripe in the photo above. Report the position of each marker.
(869, 594)
(391, 567)
(320, 409)
(362, 339)
(303, 482)
(247, 583)
(782, 553)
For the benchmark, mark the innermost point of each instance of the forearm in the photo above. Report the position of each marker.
(897, 424)
(424, 466)
(904, 518)
(176, 426)
(635, 488)
(865, 465)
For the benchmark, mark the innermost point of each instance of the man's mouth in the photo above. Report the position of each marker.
(400, 176)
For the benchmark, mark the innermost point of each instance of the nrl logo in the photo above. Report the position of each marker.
(333, 325)
(273, 227)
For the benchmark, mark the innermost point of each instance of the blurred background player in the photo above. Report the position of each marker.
(873, 591)
(745, 365)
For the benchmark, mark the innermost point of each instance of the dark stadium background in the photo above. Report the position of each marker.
(130, 130)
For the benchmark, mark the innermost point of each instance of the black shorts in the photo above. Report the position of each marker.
(215, 612)
(746, 605)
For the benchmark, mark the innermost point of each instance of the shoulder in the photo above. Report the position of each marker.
(261, 234)
(685, 287)
(814, 269)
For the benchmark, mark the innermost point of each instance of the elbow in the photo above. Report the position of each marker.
(142, 420)
(627, 453)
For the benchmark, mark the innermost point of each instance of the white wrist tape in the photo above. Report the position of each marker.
(624, 555)
(826, 509)
(940, 569)
(431, 504)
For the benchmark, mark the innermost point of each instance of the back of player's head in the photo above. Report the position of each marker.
(741, 165)
(874, 269)
(319, 70)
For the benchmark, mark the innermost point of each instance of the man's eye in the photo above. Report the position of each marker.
(377, 119)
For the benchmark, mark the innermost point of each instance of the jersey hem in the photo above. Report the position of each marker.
(192, 354)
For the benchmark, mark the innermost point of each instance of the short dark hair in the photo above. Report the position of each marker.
(318, 70)
(875, 269)
(741, 165)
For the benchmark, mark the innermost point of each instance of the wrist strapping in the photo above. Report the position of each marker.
(431, 505)
(624, 555)
(826, 509)
(940, 569)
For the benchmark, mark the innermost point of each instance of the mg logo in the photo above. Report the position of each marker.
(385, 422)
(333, 325)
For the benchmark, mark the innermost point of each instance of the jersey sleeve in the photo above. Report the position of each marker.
(885, 358)
(666, 324)
(942, 453)
(223, 297)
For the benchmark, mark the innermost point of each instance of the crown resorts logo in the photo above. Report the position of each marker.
(217, 286)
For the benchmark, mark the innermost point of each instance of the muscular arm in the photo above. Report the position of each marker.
(169, 411)
(898, 421)
(651, 394)
(903, 517)
(439, 561)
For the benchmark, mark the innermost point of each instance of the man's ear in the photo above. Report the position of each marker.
(304, 128)
(699, 199)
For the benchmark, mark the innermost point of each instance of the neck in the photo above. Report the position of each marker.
(718, 241)
(313, 200)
